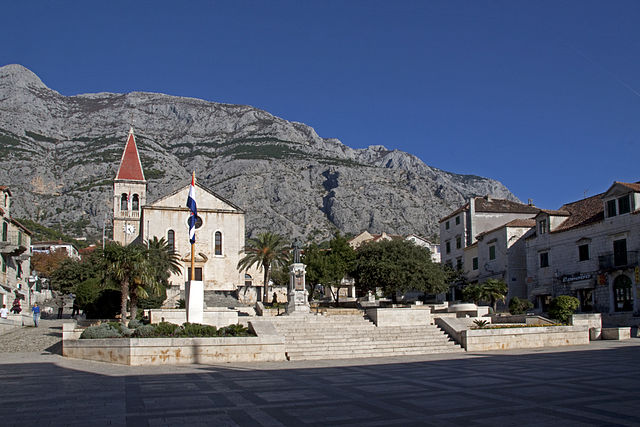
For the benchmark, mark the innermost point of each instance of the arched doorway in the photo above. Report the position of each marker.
(622, 293)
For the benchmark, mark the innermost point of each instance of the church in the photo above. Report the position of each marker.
(220, 231)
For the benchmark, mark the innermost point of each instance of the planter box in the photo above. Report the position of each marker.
(266, 347)
(514, 338)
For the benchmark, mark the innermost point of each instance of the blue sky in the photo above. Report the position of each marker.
(541, 95)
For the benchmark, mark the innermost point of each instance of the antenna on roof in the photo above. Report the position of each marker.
(585, 193)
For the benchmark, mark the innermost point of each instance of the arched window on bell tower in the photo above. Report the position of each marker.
(135, 203)
(124, 202)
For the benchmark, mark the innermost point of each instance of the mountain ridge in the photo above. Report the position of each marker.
(63, 152)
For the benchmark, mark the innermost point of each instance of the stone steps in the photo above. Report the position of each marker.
(313, 337)
(351, 354)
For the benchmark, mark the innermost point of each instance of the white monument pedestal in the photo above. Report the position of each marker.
(194, 297)
(298, 295)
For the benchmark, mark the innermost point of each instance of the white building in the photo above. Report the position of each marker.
(49, 247)
(220, 230)
(460, 229)
(501, 254)
(589, 249)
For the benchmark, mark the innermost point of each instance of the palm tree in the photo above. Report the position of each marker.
(163, 259)
(128, 265)
(493, 290)
(266, 251)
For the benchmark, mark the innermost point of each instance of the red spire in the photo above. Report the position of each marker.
(130, 166)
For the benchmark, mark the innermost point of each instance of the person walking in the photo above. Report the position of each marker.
(36, 314)
(75, 311)
(60, 302)
(4, 313)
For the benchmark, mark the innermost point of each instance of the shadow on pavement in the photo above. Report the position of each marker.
(563, 388)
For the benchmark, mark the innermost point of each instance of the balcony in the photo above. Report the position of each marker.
(618, 261)
(13, 242)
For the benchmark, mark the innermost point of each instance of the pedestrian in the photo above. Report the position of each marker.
(4, 313)
(60, 302)
(75, 311)
(36, 314)
(15, 307)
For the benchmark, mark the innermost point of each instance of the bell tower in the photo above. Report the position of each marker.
(129, 194)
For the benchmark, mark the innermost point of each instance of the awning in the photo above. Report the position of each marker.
(583, 284)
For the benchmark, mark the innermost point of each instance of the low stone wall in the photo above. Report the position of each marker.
(416, 315)
(216, 317)
(513, 338)
(267, 346)
(623, 333)
(593, 321)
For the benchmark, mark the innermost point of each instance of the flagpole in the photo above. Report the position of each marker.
(193, 245)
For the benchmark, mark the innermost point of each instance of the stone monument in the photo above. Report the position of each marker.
(298, 295)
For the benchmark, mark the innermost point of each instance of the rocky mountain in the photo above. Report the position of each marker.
(59, 155)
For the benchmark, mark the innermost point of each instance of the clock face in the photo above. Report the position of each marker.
(129, 229)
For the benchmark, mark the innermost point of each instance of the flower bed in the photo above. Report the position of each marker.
(263, 345)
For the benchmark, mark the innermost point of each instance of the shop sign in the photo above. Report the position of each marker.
(569, 279)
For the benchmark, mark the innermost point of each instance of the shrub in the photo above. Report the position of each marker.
(198, 330)
(181, 303)
(135, 323)
(233, 331)
(166, 329)
(480, 324)
(145, 331)
(562, 307)
(104, 330)
(519, 306)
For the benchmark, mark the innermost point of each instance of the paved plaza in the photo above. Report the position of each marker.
(587, 385)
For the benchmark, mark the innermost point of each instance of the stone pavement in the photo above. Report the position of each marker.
(574, 386)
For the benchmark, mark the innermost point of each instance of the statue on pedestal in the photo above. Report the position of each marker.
(298, 294)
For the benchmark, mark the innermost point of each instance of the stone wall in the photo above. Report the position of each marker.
(416, 315)
(513, 338)
(267, 346)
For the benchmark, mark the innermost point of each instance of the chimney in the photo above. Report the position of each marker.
(530, 202)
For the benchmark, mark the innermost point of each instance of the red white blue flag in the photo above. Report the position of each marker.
(191, 204)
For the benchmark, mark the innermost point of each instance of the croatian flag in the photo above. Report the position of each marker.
(191, 204)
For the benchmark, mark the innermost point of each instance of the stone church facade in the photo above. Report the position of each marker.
(220, 230)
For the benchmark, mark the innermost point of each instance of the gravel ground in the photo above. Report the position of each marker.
(45, 338)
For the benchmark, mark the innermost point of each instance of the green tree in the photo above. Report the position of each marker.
(519, 306)
(70, 272)
(397, 266)
(266, 251)
(329, 267)
(562, 307)
(130, 266)
(472, 293)
(493, 290)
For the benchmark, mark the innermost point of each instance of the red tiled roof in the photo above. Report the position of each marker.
(634, 186)
(130, 166)
(583, 212)
(554, 213)
(488, 204)
(503, 206)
